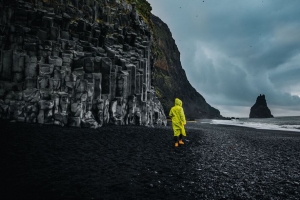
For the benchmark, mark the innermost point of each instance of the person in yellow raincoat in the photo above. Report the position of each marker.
(178, 121)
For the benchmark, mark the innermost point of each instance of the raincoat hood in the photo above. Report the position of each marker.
(178, 102)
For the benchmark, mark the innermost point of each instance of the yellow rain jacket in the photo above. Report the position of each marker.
(178, 118)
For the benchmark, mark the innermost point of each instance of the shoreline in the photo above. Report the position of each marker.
(263, 124)
(258, 129)
(133, 162)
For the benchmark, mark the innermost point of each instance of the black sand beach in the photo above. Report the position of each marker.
(129, 162)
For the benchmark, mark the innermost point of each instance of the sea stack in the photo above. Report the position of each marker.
(260, 108)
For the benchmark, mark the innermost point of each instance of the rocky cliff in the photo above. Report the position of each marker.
(260, 108)
(77, 63)
(89, 63)
(170, 79)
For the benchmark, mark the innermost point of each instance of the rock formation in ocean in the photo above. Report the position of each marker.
(260, 108)
(77, 63)
(170, 79)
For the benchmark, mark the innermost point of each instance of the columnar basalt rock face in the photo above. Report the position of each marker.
(77, 63)
(260, 108)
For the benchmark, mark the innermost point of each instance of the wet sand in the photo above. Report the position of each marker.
(130, 162)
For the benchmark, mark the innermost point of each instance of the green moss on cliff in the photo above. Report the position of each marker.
(144, 8)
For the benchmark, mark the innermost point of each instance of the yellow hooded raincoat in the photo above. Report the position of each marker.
(178, 118)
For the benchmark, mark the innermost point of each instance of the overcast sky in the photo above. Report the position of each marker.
(234, 50)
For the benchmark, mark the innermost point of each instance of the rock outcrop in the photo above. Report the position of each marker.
(260, 108)
(77, 63)
(170, 79)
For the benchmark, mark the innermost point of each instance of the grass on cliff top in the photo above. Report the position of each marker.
(144, 9)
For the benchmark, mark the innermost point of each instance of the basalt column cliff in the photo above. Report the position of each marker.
(77, 63)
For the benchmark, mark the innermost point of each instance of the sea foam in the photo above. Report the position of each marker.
(282, 124)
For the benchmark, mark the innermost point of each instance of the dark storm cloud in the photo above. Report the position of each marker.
(232, 51)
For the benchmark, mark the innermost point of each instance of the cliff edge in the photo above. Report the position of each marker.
(169, 77)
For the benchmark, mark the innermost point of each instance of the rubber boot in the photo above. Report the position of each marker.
(181, 142)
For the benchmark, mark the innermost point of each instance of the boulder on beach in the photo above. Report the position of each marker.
(260, 108)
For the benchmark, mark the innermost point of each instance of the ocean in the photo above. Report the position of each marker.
(277, 123)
